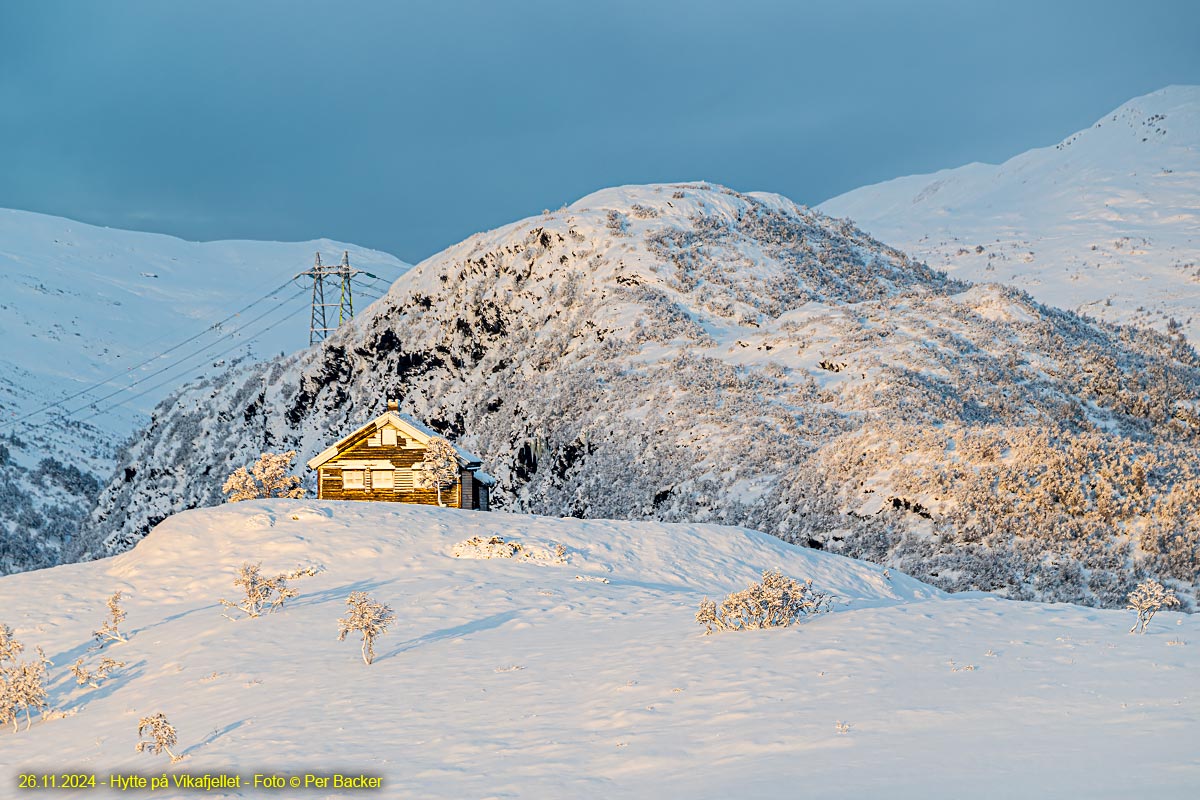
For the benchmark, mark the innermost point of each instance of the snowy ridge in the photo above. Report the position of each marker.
(684, 352)
(84, 303)
(1104, 222)
(506, 678)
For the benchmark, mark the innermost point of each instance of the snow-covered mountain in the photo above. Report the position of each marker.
(588, 675)
(128, 317)
(1106, 222)
(688, 353)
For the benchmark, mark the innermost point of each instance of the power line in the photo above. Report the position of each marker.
(160, 384)
(375, 284)
(191, 355)
(154, 357)
(375, 281)
(176, 363)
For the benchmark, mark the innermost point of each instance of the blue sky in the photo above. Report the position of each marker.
(407, 126)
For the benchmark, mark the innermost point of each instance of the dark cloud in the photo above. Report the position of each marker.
(408, 126)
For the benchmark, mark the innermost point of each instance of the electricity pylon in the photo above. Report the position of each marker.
(319, 328)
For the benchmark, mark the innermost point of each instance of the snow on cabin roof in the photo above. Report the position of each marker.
(407, 425)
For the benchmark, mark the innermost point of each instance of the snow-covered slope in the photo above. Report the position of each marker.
(591, 677)
(689, 353)
(1106, 222)
(84, 305)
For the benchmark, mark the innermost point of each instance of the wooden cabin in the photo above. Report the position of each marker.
(382, 461)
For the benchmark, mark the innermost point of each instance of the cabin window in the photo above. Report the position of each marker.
(389, 437)
(373, 441)
(383, 479)
(352, 479)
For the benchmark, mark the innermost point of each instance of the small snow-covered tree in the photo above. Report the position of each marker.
(367, 616)
(264, 594)
(10, 648)
(161, 733)
(268, 477)
(116, 615)
(94, 679)
(440, 468)
(776, 602)
(1146, 600)
(22, 683)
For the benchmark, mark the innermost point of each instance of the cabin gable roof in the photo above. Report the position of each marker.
(409, 427)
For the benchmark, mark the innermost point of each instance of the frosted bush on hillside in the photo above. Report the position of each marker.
(498, 547)
(22, 683)
(95, 677)
(368, 617)
(162, 736)
(10, 648)
(267, 478)
(1146, 601)
(440, 467)
(777, 602)
(116, 615)
(617, 223)
(263, 594)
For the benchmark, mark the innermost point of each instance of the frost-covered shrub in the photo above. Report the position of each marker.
(116, 615)
(1146, 600)
(10, 648)
(368, 617)
(267, 478)
(617, 223)
(439, 470)
(22, 683)
(95, 677)
(777, 602)
(263, 594)
(162, 736)
(498, 547)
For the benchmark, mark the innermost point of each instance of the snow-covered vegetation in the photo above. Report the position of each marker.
(268, 477)
(43, 499)
(440, 468)
(1147, 600)
(736, 358)
(263, 594)
(776, 601)
(499, 547)
(367, 617)
(508, 678)
(23, 687)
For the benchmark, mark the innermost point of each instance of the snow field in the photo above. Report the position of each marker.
(1102, 223)
(514, 678)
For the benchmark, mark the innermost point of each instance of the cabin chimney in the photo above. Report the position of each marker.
(393, 405)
